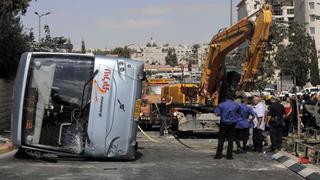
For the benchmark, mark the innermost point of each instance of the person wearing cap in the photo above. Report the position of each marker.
(277, 114)
(242, 126)
(228, 111)
(259, 123)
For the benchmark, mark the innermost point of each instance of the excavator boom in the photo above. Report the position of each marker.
(255, 32)
(256, 47)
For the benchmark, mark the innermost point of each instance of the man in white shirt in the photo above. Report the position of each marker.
(259, 123)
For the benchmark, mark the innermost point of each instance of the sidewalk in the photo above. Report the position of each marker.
(306, 171)
(6, 147)
(5, 143)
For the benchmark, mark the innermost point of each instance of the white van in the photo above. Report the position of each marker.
(310, 90)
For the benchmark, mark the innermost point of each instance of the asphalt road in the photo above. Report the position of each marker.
(165, 160)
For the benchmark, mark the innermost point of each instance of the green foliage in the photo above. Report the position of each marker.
(52, 44)
(195, 49)
(14, 6)
(83, 47)
(294, 59)
(236, 57)
(13, 42)
(101, 52)
(69, 49)
(266, 73)
(314, 69)
(267, 66)
(171, 58)
(122, 52)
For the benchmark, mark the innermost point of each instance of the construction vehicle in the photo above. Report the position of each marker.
(76, 105)
(150, 98)
(194, 104)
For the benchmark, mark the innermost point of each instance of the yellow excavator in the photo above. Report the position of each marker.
(256, 33)
(190, 102)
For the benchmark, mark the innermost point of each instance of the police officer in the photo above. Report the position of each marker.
(229, 115)
(242, 126)
(276, 113)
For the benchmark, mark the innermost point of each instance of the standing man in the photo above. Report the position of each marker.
(229, 115)
(259, 123)
(242, 126)
(163, 114)
(309, 119)
(277, 114)
(287, 104)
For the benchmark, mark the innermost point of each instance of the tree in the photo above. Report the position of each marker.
(294, 58)
(171, 58)
(83, 47)
(101, 52)
(14, 6)
(53, 44)
(32, 42)
(314, 66)
(267, 66)
(195, 48)
(122, 52)
(13, 41)
(70, 45)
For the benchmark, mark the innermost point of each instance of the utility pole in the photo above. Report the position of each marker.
(297, 106)
(231, 20)
(40, 15)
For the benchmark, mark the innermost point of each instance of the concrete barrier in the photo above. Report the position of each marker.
(308, 172)
(6, 89)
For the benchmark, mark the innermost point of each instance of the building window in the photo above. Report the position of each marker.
(290, 11)
(277, 9)
(312, 30)
(287, 3)
(311, 5)
(290, 19)
(312, 18)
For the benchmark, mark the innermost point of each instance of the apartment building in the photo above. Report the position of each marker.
(308, 13)
(283, 10)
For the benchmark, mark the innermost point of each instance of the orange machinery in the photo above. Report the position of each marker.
(215, 82)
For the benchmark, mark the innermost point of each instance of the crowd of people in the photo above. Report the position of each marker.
(273, 117)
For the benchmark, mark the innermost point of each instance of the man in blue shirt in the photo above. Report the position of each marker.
(242, 126)
(229, 115)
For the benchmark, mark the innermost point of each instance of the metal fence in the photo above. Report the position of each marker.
(6, 89)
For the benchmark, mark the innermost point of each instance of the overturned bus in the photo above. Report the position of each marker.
(76, 105)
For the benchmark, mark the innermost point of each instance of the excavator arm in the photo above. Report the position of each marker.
(255, 32)
(256, 47)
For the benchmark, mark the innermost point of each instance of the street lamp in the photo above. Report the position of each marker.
(40, 15)
(231, 16)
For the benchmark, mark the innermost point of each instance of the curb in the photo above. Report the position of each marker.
(6, 148)
(305, 172)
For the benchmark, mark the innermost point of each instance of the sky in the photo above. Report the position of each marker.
(112, 23)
